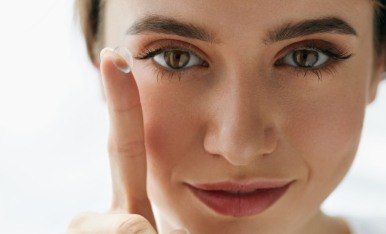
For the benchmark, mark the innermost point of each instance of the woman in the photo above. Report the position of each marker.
(237, 117)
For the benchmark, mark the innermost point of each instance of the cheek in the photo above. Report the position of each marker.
(172, 138)
(325, 132)
(328, 131)
(173, 119)
(165, 134)
(172, 128)
(163, 140)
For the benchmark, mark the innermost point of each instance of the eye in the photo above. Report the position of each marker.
(177, 59)
(305, 58)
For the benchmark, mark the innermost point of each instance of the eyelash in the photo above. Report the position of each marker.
(335, 55)
(151, 52)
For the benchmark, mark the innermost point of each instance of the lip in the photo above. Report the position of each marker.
(240, 199)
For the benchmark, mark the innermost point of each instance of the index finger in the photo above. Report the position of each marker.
(126, 140)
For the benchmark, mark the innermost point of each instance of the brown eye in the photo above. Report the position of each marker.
(176, 59)
(305, 58)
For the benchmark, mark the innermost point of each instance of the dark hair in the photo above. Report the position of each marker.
(380, 26)
(90, 15)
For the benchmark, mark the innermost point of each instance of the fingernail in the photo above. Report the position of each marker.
(122, 58)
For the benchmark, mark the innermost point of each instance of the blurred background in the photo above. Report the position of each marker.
(53, 128)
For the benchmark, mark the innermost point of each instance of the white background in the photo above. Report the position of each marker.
(53, 127)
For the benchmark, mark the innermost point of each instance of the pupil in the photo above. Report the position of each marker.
(176, 59)
(306, 58)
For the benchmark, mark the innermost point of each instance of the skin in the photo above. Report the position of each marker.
(240, 118)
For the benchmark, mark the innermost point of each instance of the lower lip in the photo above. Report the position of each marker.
(239, 205)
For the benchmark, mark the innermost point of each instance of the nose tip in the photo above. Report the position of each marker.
(240, 148)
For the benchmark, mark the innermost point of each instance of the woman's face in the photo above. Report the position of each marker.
(263, 98)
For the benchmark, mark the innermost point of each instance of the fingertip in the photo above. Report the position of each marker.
(120, 57)
(106, 64)
(120, 88)
(105, 51)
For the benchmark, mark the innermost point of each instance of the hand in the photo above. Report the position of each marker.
(131, 210)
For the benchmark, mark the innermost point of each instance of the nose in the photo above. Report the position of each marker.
(241, 128)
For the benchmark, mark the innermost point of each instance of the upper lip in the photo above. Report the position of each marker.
(241, 186)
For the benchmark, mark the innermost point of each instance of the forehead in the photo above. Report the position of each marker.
(247, 10)
(251, 18)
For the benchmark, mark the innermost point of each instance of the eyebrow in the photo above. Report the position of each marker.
(309, 27)
(166, 25)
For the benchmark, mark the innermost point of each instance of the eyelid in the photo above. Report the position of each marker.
(171, 44)
(335, 52)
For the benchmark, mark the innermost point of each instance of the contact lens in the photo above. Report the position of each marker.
(122, 58)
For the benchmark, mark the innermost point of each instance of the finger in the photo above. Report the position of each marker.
(93, 223)
(126, 140)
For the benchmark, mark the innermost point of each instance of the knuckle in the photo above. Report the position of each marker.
(135, 224)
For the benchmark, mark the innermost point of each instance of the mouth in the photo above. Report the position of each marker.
(239, 200)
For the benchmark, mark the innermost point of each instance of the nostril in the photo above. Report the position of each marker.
(238, 149)
(271, 140)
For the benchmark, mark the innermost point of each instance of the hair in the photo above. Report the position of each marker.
(380, 25)
(90, 16)
(90, 13)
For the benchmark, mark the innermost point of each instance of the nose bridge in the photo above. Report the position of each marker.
(241, 116)
(241, 131)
